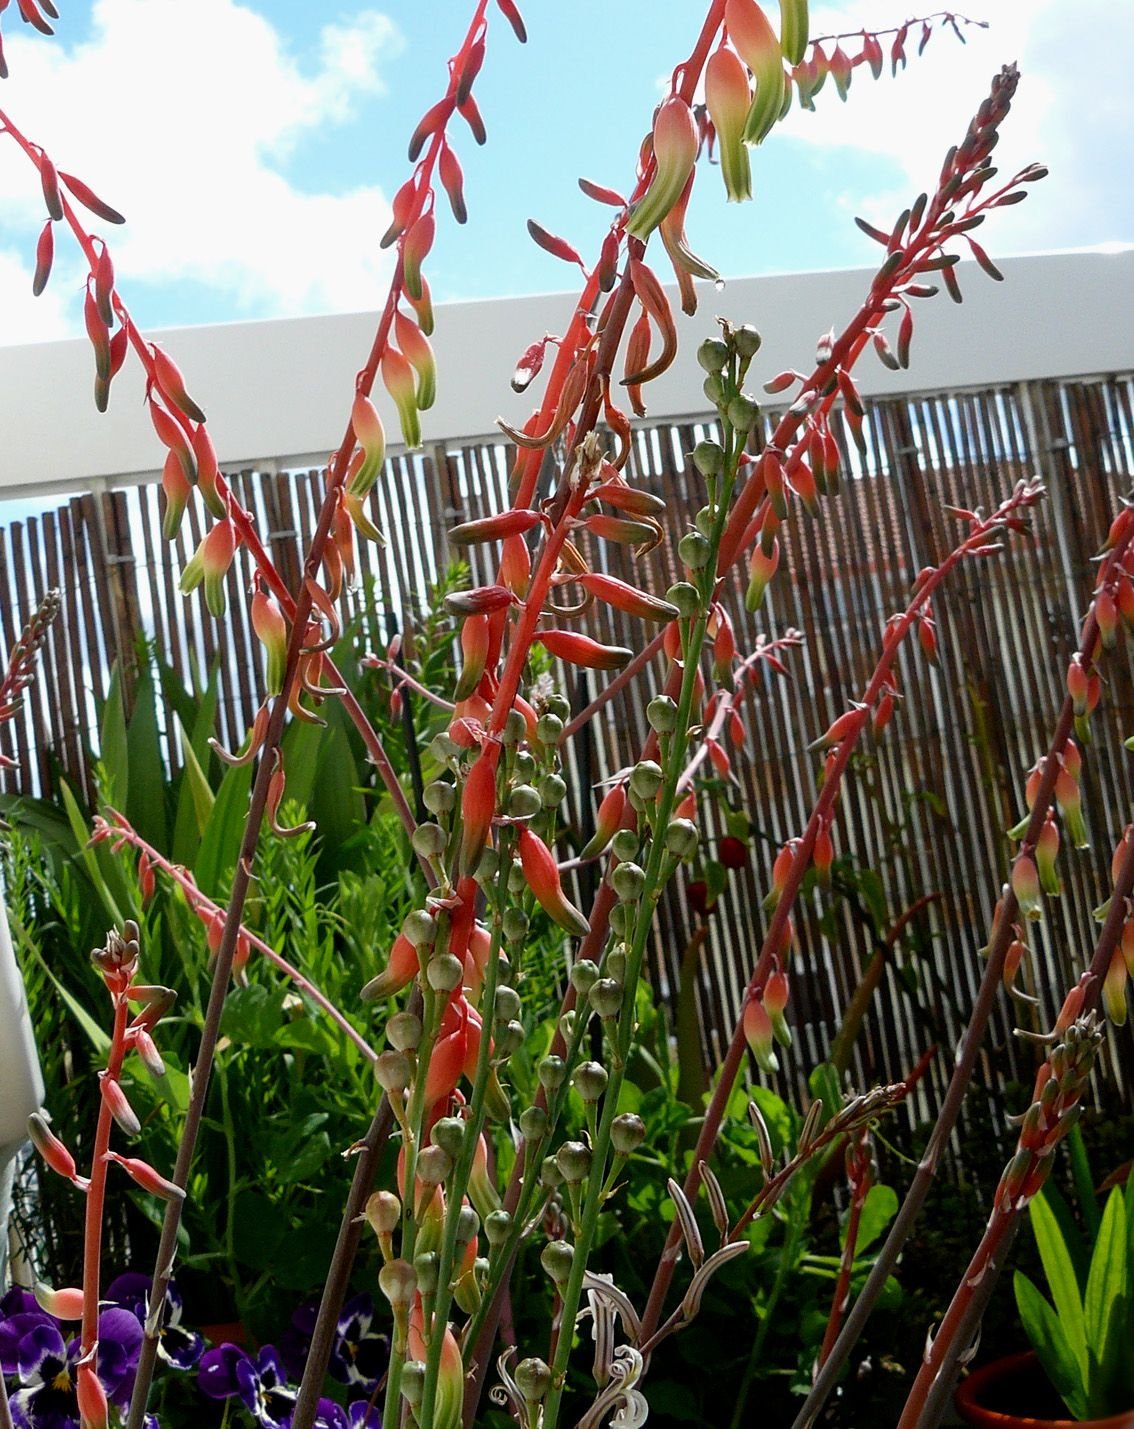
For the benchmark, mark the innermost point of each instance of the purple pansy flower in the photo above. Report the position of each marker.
(360, 1353)
(364, 1415)
(260, 1384)
(177, 1346)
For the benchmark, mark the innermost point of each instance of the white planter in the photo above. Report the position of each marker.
(21, 1084)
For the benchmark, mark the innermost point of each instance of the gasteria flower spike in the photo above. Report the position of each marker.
(398, 379)
(371, 437)
(729, 98)
(752, 34)
(542, 875)
(675, 144)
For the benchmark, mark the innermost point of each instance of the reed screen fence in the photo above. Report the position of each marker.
(924, 812)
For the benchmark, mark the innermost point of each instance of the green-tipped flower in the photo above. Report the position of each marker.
(416, 346)
(729, 98)
(271, 631)
(675, 152)
(749, 30)
(177, 491)
(793, 30)
(371, 438)
(210, 563)
(397, 375)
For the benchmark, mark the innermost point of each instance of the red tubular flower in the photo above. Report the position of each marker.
(780, 870)
(754, 38)
(401, 968)
(675, 152)
(398, 379)
(118, 1105)
(93, 1408)
(1114, 988)
(493, 528)
(729, 98)
(171, 436)
(415, 249)
(542, 875)
(64, 1304)
(777, 991)
(623, 596)
(1026, 886)
(475, 635)
(146, 1177)
(759, 1033)
(401, 207)
(172, 385)
(44, 253)
(423, 307)
(581, 650)
(452, 181)
(417, 349)
(204, 454)
(371, 437)
(99, 335)
(210, 563)
(608, 821)
(478, 808)
(516, 565)
(794, 31)
(1047, 851)
(177, 492)
(51, 1148)
(271, 630)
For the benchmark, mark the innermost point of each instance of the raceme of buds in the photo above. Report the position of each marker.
(729, 97)
(751, 33)
(542, 876)
(398, 379)
(760, 1034)
(675, 152)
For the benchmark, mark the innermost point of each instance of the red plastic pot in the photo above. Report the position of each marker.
(1013, 1393)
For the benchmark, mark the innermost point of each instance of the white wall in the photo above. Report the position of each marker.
(279, 390)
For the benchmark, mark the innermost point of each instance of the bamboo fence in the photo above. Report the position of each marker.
(925, 810)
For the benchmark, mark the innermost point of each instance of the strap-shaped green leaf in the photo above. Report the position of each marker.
(1106, 1282)
(1046, 1332)
(1062, 1282)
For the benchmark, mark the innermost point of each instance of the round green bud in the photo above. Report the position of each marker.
(533, 1123)
(606, 997)
(695, 550)
(468, 1223)
(398, 1282)
(616, 963)
(646, 778)
(420, 928)
(515, 727)
(394, 1071)
(567, 1025)
(514, 924)
(704, 520)
(549, 729)
(429, 840)
(449, 1134)
(444, 972)
(403, 1031)
(618, 920)
(714, 388)
(413, 1382)
(627, 1132)
(509, 1037)
(681, 838)
(383, 1212)
(574, 1160)
(444, 749)
(558, 704)
(746, 340)
(552, 790)
(497, 1227)
(742, 414)
(426, 1268)
(686, 597)
(487, 867)
(708, 458)
(516, 880)
(662, 714)
(556, 1258)
(628, 880)
(439, 796)
(712, 354)
(533, 1379)
(584, 975)
(550, 1174)
(590, 1080)
(624, 845)
(524, 802)
(524, 767)
(506, 1004)
(433, 1165)
(551, 1072)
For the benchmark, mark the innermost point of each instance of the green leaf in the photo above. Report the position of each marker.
(144, 805)
(826, 1083)
(99, 1040)
(1045, 1330)
(878, 1210)
(112, 744)
(220, 843)
(1059, 1268)
(89, 856)
(195, 802)
(1106, 1282)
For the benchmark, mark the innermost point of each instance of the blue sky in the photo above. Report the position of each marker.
(254, 146)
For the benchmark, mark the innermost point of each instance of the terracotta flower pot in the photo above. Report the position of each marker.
(1013, 1393)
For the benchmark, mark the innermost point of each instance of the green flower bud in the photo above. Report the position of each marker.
(686, 597)
(743, 413)
(516, 880)
(515, 924)
(584, 975)
(509, 1037)
(618, 920)
(487, 867)
(549, 729)
(662, 714)
(398, 1282)
(558, 704)
(550, 1174)
(515, 728)
(506, 1004)
(746, 340)
(468, 1223)
(444, 749)
(433, 1165)
(552, 790)
(624, 845)
(590, 1080)
(574, 1159)
(551, 1072)
(606, 997)
(708, 458)
(420, 928)
(394, 1071)
(428, 840)
(444, 972)
(627, 1133)
(533, 1123)
(449, 1134)
(646, 778)
(533, 1379)
(403, 1031)
(497, 1227)
(383, 1212)
(556, 1258)
(616, 963)
(682, 838)
(628, 880)
(695, 550)
(714, 388)
(712, 354)
(439, 796)
(413, 1382)
(524, 802)
(704, 520)
(524, 767)
(426, 1268)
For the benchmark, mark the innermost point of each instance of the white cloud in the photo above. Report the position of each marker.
(181, 115)
(27, 319)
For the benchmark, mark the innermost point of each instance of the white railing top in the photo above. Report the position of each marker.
(278, 392)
